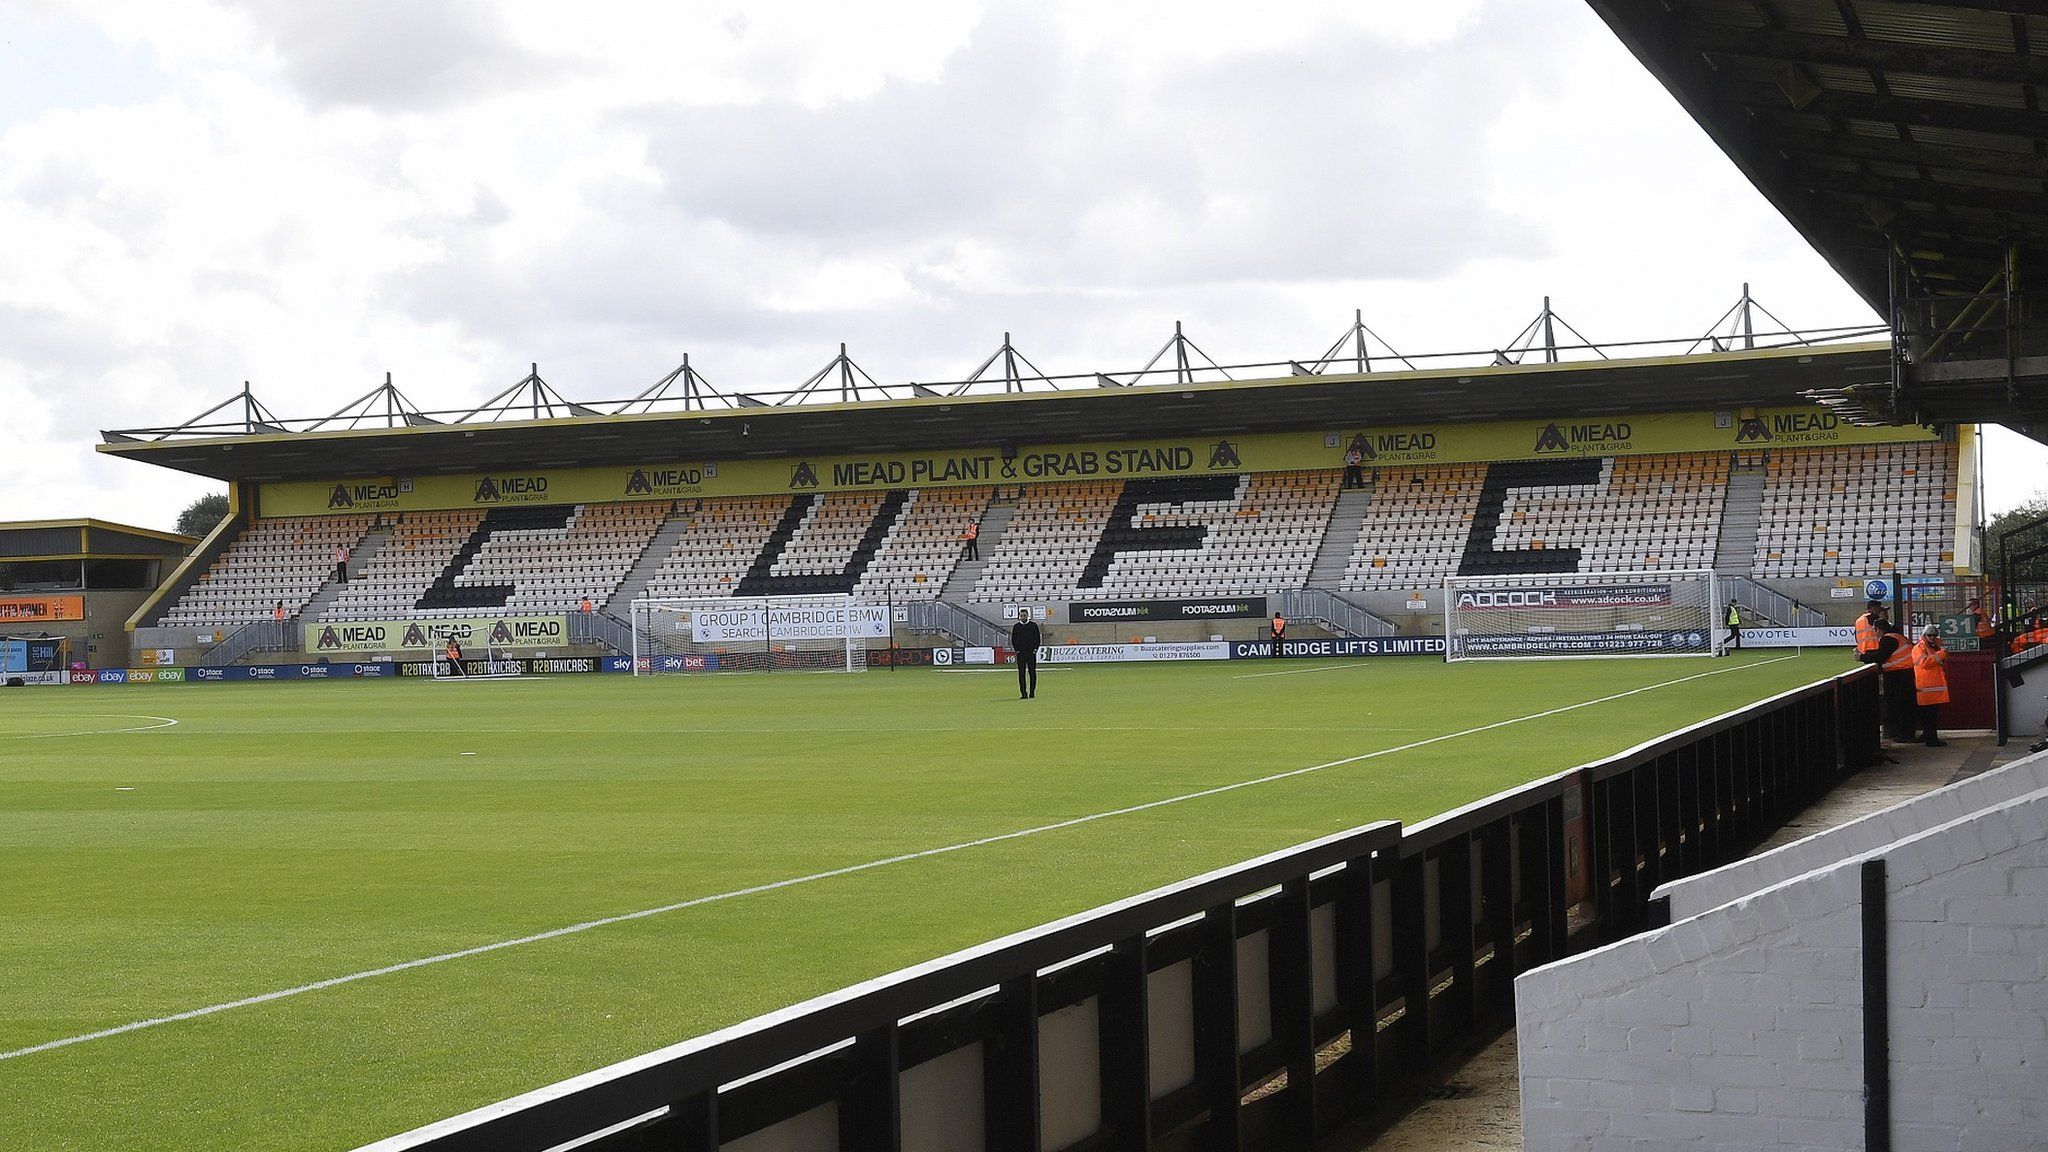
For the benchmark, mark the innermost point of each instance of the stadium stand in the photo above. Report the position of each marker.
(1612, 515)
(1825, 512)
(719, 540)
(924, 544)
(891, 544)
(420, 547)
(1200, 536)
(547, 560)
(1644, 513)
(1854, 511)
(281, 560)
(1416, 526)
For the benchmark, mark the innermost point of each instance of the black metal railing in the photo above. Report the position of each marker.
(1259, 1005)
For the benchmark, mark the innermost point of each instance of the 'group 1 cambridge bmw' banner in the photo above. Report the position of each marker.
(471, 632)
(1406, 444)
(749, 622)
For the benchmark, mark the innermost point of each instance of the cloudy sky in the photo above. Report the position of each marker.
(305, 196)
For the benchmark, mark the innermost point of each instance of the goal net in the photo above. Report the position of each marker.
(825, 633)
(1551, 616)
(492, 663)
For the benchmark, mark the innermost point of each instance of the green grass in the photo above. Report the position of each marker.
(284, 834)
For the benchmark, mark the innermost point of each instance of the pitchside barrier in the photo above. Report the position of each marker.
(1256, 1006)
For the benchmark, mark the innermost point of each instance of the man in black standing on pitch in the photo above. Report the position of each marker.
(1025, 640)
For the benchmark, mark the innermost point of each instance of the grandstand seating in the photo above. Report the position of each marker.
(275, 561)
(1203, 536)
(1616, 515)
(911, 538)
(1825, 512)
(420, 547)
(719, 541)
(924, 544)
(1416, 526)
(551, 563)
(1857, 511)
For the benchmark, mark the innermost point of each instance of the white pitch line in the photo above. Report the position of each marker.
(791, 882)
(163, 722)
(1332, 666)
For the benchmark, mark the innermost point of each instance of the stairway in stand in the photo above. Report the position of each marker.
(1347, 517)
(1741, 515)
(967, 572)
(359, 558)
(643, 569)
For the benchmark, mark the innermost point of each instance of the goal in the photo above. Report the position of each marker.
(1556, 616)
(824, 633)
(496, 664)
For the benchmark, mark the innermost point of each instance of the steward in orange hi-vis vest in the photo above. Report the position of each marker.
(1868, 630)
(1930, 674)
(1930, 681)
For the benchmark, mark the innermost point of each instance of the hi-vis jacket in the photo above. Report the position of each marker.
(1930, 677)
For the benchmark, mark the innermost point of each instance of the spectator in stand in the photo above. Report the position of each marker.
(341, 563)
(1354, 464)
(1930, 682)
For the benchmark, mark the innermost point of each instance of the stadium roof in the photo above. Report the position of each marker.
(1581, 389)
(1905, 140)
(86, 539)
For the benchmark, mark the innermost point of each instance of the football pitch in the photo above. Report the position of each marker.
(305, 916)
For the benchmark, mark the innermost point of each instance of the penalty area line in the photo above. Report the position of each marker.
(848, 870)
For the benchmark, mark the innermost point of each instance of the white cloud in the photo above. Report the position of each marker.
(198, 192)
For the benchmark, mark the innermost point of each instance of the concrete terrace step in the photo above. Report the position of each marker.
(1741, 515)
(967, 572)
(372, 543)
(1347, 518)
(643, 569)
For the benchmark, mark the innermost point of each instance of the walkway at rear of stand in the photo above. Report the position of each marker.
(1477, 1108)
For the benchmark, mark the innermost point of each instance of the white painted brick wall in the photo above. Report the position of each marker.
(1695, 894)
(1742, 1027)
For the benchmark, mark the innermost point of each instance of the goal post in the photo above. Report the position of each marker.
(493, 663)
(1550, 616)
(819, 633)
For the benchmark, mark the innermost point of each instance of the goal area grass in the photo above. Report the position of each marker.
(229, 910)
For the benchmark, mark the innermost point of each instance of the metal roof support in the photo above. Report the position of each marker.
(255, 417)
(849, 376)
(1013, 381)
(1184, 368)
(530, 399)
(384, 405)
(1360, 350)
(1740, 324)
(1546, 324)
(695, 392)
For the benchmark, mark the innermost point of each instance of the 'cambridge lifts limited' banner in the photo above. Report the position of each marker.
(1406, 444)
(471, 632)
